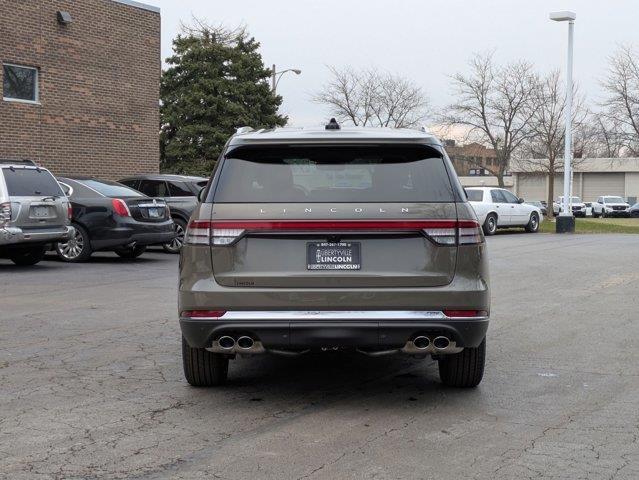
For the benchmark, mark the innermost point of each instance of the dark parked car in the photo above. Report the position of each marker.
(634, 210)
(178, 191)
(541, 206)
(111, 216)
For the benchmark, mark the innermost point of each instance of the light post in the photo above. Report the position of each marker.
(276, 76)
(566, 220)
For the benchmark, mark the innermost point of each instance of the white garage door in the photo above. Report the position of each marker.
(559, 185)
(531, 187)
(598, 184)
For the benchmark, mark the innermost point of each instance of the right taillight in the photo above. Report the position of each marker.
(469, 233)
(462, 232)
(5, 214)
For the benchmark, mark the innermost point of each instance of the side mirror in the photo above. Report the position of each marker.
(520, 200)
(200, 196)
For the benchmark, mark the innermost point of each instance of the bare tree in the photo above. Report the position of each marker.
(543, 150)
(492, 107)
(373, 98)
(604, 137)
(621, 108)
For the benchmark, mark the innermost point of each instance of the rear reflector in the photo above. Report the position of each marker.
(465, 313)
(203, 313)
(442, 232)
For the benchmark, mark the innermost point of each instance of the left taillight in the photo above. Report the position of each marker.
(69, 210)
(197, 233)
(5, 214)
(120, 207)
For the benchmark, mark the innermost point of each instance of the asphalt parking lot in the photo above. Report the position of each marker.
(91, 382)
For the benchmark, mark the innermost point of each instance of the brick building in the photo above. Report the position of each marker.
(80, 85)
(472, 159)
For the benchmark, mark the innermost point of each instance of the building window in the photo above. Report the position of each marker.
(20, 83)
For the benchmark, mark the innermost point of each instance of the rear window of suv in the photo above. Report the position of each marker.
(29, 182)
(321, 174)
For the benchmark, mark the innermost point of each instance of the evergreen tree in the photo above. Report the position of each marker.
(216, 82)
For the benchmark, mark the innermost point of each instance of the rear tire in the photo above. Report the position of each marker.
(490, 224)
(464, 369)
(28, 256)
(76, 249)
(175, 245)
(533, 223)
(130, 253)
(203, 368)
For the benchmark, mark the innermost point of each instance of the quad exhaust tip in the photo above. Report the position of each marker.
(441, 343)
(245, 342)
(226, 342)
(421, 342)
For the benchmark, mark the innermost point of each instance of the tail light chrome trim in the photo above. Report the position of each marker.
(441, 232)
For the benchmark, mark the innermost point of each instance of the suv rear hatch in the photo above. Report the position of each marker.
(333, 216)
(37, 201)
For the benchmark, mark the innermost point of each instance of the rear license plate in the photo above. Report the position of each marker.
(154, 213)
(40, 211)
(333, 256)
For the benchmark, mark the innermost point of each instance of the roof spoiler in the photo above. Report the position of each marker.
(29, 163)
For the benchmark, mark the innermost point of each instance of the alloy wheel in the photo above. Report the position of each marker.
(72, 248)
(175, 245)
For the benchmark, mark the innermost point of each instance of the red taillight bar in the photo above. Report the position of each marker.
(441, 232)
(403, 225)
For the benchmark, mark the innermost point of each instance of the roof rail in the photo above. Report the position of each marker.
(242, 130)
(30, 163)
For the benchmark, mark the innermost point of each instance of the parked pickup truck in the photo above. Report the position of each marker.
(610, 206)
(499, 208)
(578, 207)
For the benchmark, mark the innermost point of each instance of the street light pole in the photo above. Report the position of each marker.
(276, 76)
(273, 80)
(566, 220)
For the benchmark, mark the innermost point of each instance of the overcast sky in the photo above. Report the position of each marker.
(421, 40)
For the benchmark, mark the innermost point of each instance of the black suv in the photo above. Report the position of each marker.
(178, 191)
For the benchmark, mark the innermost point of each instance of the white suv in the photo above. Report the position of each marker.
(578, 207)
(610, 206)
(499, 208)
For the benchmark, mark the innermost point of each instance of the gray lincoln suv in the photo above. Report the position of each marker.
(331, 239)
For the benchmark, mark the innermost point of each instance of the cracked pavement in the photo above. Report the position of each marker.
(91, 383)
